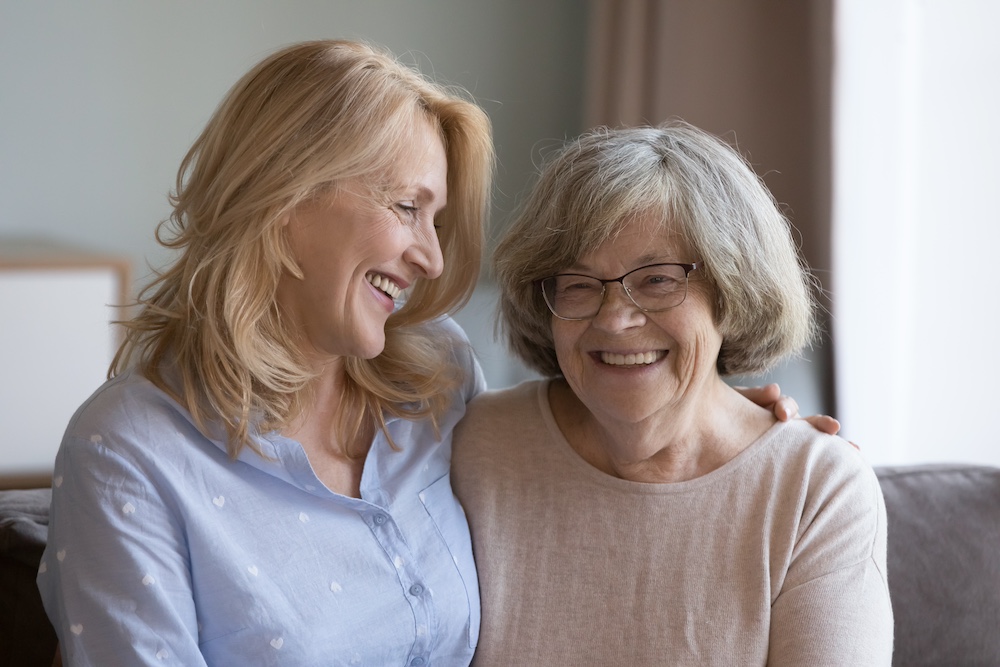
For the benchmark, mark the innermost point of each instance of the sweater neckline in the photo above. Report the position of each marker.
(561, 445)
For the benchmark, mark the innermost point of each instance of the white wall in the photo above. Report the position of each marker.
(99, 100)
(916, 283)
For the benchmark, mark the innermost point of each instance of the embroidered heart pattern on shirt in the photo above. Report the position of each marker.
(303, 517)
(128, 508)
(219, 501)
(278, 642)
(335, 587)
(61, 555)
(96, 439)
(252, 570)
(148, 580)
(76, 628)
(162, 654)
(57, 481)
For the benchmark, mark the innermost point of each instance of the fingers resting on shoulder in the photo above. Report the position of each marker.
(785, 408)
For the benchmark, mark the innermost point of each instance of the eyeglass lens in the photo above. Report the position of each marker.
(651, 288)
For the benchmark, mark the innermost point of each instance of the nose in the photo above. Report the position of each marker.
(618, 312)
(425, 253)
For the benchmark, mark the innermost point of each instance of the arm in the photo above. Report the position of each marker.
(114, 577)
(834, 607)
(785, 408)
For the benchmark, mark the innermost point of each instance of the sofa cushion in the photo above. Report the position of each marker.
(944, 563)
(26, 636)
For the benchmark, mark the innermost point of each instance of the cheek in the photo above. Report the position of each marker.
(709, 308)
(564, 341)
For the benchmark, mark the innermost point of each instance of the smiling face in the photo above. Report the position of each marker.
(627, 365)
(357, 250)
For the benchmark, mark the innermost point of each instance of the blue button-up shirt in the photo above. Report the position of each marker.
(163, 551)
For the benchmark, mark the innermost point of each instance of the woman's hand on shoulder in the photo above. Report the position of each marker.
(784, 407)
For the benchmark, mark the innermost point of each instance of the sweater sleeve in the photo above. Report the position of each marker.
(834, 607)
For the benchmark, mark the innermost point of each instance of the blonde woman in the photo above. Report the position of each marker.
(264, 480)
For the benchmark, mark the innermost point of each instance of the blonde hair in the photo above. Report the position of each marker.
(688, 183)
(301, 122)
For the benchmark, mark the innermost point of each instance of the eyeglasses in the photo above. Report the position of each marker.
(652, 288)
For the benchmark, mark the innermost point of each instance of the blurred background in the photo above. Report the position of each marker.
(874, 124)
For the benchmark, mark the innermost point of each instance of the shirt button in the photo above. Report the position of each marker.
(417, 662)
(379, 519)
(416, 589)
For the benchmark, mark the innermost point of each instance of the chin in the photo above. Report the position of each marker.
(373, 348)
(371, 352)
(361, 348)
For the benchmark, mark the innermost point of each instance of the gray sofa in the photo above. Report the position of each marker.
(944, 568)
(944, 563)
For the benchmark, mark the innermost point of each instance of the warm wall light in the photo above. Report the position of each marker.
(56, 341)
(916, 228)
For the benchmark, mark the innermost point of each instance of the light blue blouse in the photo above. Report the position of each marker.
(163, 551)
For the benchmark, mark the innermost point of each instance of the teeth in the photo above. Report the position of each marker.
(384, 284)
(641, 359)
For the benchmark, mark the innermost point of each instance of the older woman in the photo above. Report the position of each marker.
(633, 509)
(265, 479)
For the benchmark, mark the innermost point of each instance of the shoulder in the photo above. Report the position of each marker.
(494, 443)
(448, 333)
(130, 418)
(835, 489)
(826, 506)
(504, 404)
(447, 325)
(123, 402)
(825, 460)
(500, 424)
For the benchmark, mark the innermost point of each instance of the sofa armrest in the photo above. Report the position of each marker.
(26, 636)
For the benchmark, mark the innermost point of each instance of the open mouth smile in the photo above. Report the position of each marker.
(384, 284)
(637, 359)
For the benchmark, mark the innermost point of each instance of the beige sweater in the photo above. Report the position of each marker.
(776, 558)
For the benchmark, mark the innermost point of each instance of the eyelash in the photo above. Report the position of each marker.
(411, 210)
(407, 213)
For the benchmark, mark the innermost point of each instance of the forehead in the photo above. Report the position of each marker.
(421, 159)
(642, 241)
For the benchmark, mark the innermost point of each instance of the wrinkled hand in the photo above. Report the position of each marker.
(785, 408)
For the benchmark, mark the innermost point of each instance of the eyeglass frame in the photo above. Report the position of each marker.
(688, 268)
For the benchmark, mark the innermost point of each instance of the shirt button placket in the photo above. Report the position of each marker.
(418, 602)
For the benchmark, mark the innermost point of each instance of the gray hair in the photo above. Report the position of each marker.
(690, 184)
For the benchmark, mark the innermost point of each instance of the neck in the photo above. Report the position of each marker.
(673, 445)
(318, 428)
